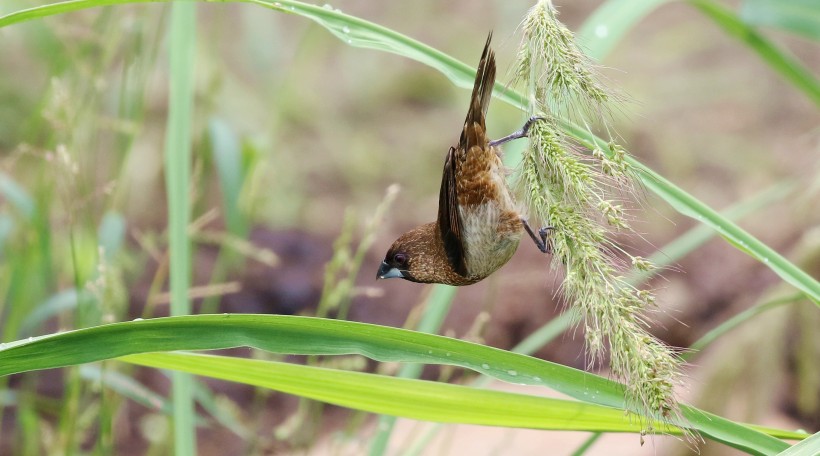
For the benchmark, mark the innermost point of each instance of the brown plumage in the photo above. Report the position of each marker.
(478, 227)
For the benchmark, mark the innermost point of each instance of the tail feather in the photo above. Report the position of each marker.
(474, 133)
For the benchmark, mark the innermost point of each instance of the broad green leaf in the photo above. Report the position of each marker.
(316, 336)
(808, 447)
(419, 399)
(796, 16)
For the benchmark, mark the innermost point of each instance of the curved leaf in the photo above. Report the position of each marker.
(419, 399)
(797, 16)
(316, 336)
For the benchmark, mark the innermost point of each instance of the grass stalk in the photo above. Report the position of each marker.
(178, 175)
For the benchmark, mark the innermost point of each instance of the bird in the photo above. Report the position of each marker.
(479, 226)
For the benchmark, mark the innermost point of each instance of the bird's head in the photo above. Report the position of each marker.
(396, 264)
(418, 256)
(407, 257)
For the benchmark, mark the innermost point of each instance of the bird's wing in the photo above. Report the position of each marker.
(449, 221)
(474, 133)
(473, 137)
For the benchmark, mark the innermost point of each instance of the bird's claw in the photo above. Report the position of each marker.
(526, 128)
(522, 133)
(544, 244)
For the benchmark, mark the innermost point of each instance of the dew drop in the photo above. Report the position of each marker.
(328, 6)
(512, 372)
(137, 319)
(537, 379)
(345, 29)
(485, 366)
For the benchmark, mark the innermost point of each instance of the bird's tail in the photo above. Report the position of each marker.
(474, 126)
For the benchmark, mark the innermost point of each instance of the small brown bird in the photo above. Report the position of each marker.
(478, 227)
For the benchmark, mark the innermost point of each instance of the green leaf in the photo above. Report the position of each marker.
(808, 447)
(182, 48)
(227, 155)
(420, 400)
(801, 17)
(736, 321)
(316, 336)
(780, 60)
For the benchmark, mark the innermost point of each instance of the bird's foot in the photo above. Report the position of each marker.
(522, 133)
(544, 244)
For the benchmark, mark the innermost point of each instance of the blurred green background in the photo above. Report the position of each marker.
(319, 130)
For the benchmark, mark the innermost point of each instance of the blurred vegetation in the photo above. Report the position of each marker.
(293, 131)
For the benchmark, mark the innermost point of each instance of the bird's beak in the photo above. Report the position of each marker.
(388, 272)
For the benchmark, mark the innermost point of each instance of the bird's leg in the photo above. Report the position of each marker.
(522, 133)
(544, 243)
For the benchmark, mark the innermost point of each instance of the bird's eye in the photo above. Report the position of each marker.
(400, 258)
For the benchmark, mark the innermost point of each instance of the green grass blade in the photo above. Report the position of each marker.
(587, 444)
(796, 16)
(126, 386)
(736, 321)
(421, 400)
(700, 234)
(227, 156)
(780, 61)
(690, 206)
(808, 447)
(315, 336)
(178, 176)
